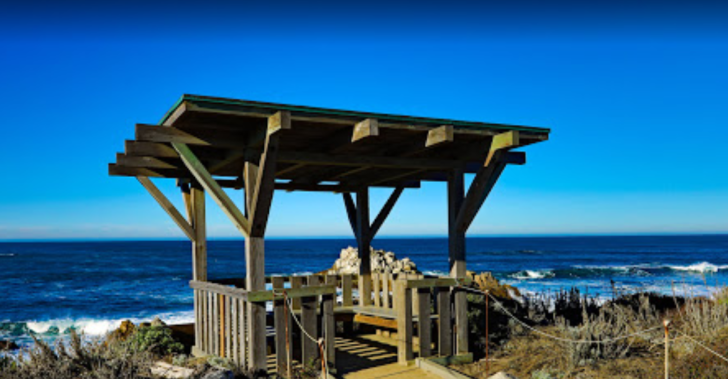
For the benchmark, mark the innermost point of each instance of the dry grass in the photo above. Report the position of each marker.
(529, 355)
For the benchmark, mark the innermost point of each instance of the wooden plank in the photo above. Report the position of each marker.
(216, 324)
(198, 334)
(296, 283)
(255, 280)
(376, 321)
(386, 280)
(457, 259)
(364, 244)
(309, 305)
(386, 209)
(168, 207)
(440, 135)
(225, 309)
(243, 333)
(262, 296)
(168, 134)
(146, 162)
(376, 283)
(346, 291)
(329, 324)
(437, 282)
(350, 211)
(478, 192)
(219, 288)
(280, 315)
(118, 170)
(403, 299)
(149, 149)
(444, 340)
(213, 189)
(199, 243)
(234, 332)
(502, 141)
(375, 161)
(425, 324)
(250, 174)
(364, 129)
(264, 185)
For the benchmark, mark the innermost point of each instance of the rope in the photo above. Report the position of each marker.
(703, 346)
(524, 324)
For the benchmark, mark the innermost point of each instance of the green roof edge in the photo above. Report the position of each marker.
(305, 109)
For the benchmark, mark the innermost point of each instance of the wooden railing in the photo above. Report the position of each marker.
(223, 328)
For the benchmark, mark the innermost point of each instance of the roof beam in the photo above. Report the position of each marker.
(153, 149)
(365, 129)
(168, 207)
(440, 135)
(169, 134)
(366, 160)
(203, 176)
(145, 162)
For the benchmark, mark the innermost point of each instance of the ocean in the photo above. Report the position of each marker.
(49, 288)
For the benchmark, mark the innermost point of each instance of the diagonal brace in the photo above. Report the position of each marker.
(168, 207)
(384, 212)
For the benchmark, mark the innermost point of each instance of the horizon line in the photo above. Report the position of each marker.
(335, 237)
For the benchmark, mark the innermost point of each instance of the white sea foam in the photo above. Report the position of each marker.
(99, 327)
(704, 267)
(533, 274)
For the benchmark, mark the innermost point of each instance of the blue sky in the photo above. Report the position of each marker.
(636, 99)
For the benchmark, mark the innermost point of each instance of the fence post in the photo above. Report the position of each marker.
(666, 323)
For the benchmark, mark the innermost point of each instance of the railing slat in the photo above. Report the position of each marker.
(242, 330)
(386, 277)
(234, 335)
(376, 283)
(309, 321)
(425, 323)
(444, 343)
(297, 282)
(280, 315)
(403, 298)
(346, 289)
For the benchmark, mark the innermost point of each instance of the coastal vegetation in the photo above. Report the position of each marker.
(570, 335)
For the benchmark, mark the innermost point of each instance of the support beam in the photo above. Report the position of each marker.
(265, 183)
(168, 207)
(365, 129)
(199, 244)
(255, 280)
(250, 175)
(456, 247)
(152, 149)
(351, 212)
(384, 212)
(364, 243)
(210, 185)
(503, 141)
(437, 136)
(479, 190)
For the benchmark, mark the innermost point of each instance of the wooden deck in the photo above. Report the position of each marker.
(368, 357)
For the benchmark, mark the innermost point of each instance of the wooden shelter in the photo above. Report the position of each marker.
(209, 143)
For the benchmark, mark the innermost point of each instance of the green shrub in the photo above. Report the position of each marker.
(155, 339)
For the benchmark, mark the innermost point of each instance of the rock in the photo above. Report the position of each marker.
(157, 322)
(219, 374)
(167, 370)
(8, 345)
(125, 330)
(486, 282)
(381, 262)
(502, 375)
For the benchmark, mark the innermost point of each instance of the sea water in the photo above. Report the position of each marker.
(50, 288)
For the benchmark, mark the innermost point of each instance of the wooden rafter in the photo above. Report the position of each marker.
(365, 129)
(350, 211)
(168, 207)
(440, 135)
(200, 173)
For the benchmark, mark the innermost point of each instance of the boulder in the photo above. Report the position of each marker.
(381, 262)
(124, 330)
(169, 371)
(219, 374)
(502, 375)
(486, 282)
(157, 322)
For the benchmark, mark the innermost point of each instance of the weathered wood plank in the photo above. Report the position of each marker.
(199, 227)
(149, 149)
(309, 320)
(168, 207)
(280, 315)
(376, 283)
(386, 281)
(264, 185)
(457, 258)
(440, 135)
(437, 282)
(364, 129)
(403, 297)
(234, 332)
(425, 323)
(255, 267)
(146, 162)
(501, 141)
(243, 334)
(346, 291)
(386, 209)
(376, 321)
(219, 288)
(213, 189)
(329, 323)
(364, 243)
(350, 211)
(479, 190)
(296, 283)
(444, 340)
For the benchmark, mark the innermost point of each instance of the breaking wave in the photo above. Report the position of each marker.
(640, 270)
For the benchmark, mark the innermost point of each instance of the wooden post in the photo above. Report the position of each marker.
(425, 323)
(386, 278)
(364, 243)
(666, 323)
(346, 286)
(444, 338)
(309, 320)
(456, 247)
(254, 250)
(280, 315)
(403, 298)
(329, 327)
